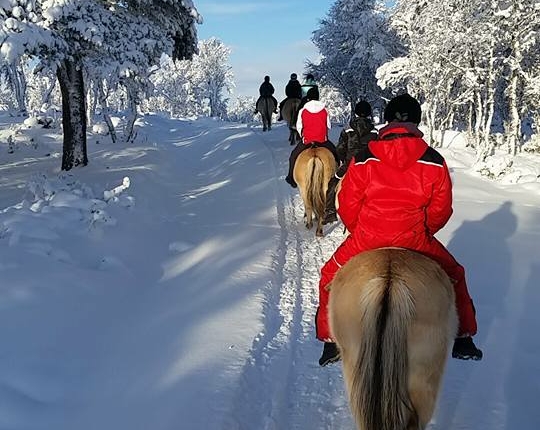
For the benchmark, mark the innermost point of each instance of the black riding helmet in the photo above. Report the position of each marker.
(403, 108)
(312, 94)
(362, 108)
(293, 76)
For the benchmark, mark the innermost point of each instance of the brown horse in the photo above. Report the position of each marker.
(312, 170)
(393, 316)
(289, 112)
(265, 106)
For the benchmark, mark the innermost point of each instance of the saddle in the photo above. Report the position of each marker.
(314, 145)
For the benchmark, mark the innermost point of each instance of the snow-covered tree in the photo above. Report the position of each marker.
(212, 75)
(42, 95)
(470, 61)
(354, 40)
(115, 39)
(240, 109)
(195, 87)
(338, 106)
(172, 91)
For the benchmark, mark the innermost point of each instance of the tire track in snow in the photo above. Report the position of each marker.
(282, 385)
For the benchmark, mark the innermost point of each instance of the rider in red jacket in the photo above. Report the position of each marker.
(312, 124)
(397, 192)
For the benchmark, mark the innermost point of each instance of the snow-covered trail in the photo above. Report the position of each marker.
(283, 372)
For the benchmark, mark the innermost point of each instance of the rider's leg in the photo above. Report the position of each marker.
(292, 160)
(330, 209)
(464, 347)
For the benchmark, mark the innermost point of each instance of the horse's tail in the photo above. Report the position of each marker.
(315, 185)
(379, 393)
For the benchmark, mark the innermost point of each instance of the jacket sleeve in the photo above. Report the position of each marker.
(299, 123)
(439, 208)
(328, 123)
(351, 195)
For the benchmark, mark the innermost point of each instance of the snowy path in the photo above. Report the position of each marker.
(283, 371)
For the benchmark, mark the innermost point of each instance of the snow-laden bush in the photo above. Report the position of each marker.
(241, 109)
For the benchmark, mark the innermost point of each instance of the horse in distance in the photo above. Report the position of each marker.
(265, 106)
(289, 111)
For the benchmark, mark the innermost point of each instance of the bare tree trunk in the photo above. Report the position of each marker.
(514, 124)
(18, 82)
(46, 99)
(91, 102)
(129, 134)
(430, 117)
(102, 95)
(70, 78)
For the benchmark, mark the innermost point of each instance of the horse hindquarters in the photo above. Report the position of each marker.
(265, 108)
(392, 315)
(312, 170)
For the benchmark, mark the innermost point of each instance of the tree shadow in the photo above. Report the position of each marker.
(482, 248)
(521, 387)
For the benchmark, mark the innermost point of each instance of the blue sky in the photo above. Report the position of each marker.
(267, 37)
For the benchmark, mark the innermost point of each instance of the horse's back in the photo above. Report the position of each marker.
(392, 312)
(262, 104)
(419, 280)
(411, 268)
(309, 159)
(290, 110)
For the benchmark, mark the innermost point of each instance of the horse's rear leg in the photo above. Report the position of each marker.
(319, 231)
(308, 219)
(423, 390)
(308, 211)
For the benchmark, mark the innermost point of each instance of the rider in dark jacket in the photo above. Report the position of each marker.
(351, 140)
(293, 90)
(267, 90)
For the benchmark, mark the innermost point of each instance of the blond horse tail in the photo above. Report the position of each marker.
(315, 185)
(379, 396)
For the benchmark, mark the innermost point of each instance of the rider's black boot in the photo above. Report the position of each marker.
(330, 354)
(465, 349)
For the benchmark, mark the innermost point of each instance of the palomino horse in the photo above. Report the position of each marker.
(289, 112)
(393, 316)
(312, 170)
(265, 106)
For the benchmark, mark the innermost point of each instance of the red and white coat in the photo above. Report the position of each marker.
(313, 122)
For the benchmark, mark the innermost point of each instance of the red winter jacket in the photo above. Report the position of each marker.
(397, 186)
(313, 122)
